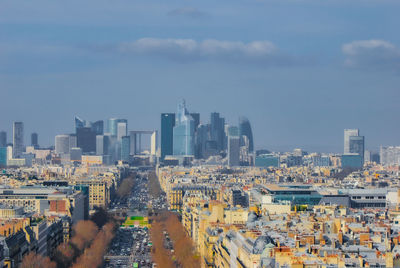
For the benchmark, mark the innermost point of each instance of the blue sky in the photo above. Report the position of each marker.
(300, 70)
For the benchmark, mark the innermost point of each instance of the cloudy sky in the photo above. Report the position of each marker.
(300, 70)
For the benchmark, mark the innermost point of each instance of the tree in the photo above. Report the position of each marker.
(33, 260)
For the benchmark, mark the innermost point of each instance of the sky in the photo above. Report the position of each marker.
(300, 70)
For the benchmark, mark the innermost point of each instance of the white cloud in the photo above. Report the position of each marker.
(187, 12)
(211, 49)
(372, 54)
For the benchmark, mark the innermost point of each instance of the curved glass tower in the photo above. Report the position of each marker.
(183, 136)
(245, 130)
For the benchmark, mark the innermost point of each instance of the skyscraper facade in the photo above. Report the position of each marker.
(125, 148)
(122, 130)
(18, 139)
(233, 147)
(102, 144)
(167, 133)
(113, 125)
(245, 130)
(79, 123)
(347, 134)
(3, 139)
(183, 136)
(356, 144)
(86, 140)
(217, 132)
(98, 127)
(34, 140)
(62, 144)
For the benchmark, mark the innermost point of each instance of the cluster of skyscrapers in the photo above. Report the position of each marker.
(184, 137)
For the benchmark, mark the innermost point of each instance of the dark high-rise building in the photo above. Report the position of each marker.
(217, 131)
(34, 140)
(18, 139)
(98, 127)
(86, 139)
(79, 123)
(356, 144)
(196, 118)
(167, 134)
(3, 139)
(245, 130)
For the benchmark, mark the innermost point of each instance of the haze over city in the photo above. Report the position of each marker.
(299, 78)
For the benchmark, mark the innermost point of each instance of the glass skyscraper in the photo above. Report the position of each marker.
(356, 144)
(183, 137)
(167, 133)
(125, 148)
(3, 139)
(245, 130)
(113, 125)
(347, 134)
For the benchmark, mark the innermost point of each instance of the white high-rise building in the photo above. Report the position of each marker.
(390, 155)
(122, 130)
(62, 144)
(153, 143)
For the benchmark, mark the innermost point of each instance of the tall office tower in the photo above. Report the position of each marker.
(183, 141)
(125, 148)
(196, 118)
(347, 134)
(79, 123)
(73, 141)
(217, 132)
(245, 130)
(62, 144)
(34, 140)
(3, 156)
(86, 140)
(102, 144)
(98, 127)
(122, 130)
(233, 147)
(3, 139)
(153, 143)
(113, 125)
(356, 144)
(167, 134)
(202, 136)
(18, 139)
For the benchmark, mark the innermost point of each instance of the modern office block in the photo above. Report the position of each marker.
(153, 143)
(3, 139)
(389, 156)
(356, 144)
(217, 131)
(62, 144)
(102, 144)
(267, 160)
(122, 130)
(233, 147)
(352, 161)
(245, 131)
(113, 125)
(86, 139)
(167, 133)
(79, 123)
(3, 156)
(18, 139)
(347, 134)
(183, 134)
(34, 140)
(125, 148)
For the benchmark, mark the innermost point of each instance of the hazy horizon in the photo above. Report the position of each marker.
(299, 79)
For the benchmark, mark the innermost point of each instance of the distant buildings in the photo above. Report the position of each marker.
(246, 133)
(34, 140)
(354, 145)
(390, 155)
(18, 139)
(233, 147)
(347, 134)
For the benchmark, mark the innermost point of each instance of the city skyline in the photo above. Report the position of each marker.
(299, 79)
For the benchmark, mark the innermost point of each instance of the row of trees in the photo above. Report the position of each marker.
(183, 245)
(154, 185)
(125, 188)
(86, 248)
